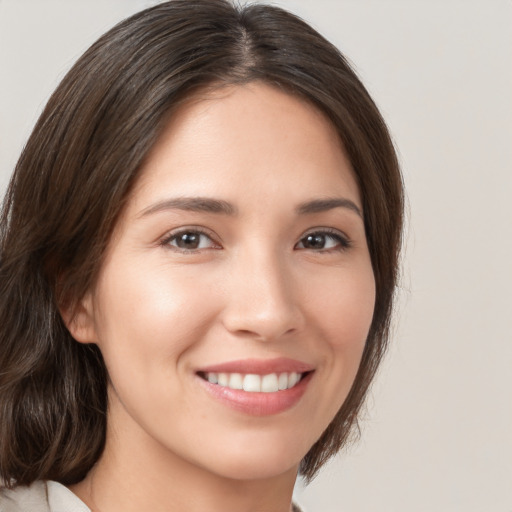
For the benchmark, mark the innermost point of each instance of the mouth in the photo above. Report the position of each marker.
(257, 387)
(254, 383)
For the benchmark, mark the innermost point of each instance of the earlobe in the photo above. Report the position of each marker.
(79, 320)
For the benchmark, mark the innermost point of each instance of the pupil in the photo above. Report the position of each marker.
(315, 241)
(188, 241)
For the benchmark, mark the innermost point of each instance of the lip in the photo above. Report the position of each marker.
(259, 366)
(254, 403)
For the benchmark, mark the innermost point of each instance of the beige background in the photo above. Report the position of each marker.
(438, 432)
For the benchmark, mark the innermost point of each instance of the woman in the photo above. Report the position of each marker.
(198, 260)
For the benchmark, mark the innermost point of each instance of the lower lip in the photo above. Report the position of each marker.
(258, 404)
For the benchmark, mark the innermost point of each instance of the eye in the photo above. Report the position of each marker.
(190, 240)
(323, 241)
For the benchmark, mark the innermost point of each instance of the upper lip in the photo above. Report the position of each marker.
(259, 366)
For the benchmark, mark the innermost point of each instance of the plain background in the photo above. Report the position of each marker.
(437, 435)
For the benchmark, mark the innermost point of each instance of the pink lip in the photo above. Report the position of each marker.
(259, 366)
(258, 404)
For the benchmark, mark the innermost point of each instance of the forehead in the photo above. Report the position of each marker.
(243, 140)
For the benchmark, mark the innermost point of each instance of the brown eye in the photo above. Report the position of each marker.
(190, 241)
(322, 241)
(315, 241)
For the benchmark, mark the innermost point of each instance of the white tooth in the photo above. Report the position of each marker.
(269, 383)
(223, 379)
(283, 381)
(252, 383)
(213, 378)
(293, 379)
(236, 381)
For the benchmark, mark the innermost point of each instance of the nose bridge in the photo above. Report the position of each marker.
(262, 300)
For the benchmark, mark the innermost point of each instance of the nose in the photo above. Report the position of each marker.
(263, 301)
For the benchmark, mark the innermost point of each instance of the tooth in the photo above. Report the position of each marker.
(293, 379)
(236, 381)
(283, 381)
(213, 378)
(269, 383)
(252, 383)
(223, 379)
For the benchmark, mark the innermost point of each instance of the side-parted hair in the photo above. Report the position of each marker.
(76, 172)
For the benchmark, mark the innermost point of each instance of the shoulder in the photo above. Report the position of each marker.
(41, 496)
(31, 498)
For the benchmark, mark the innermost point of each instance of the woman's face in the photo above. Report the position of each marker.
(240, 261)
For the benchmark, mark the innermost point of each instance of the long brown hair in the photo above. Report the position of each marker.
(76, 172)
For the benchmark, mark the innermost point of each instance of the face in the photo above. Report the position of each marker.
(235, 299)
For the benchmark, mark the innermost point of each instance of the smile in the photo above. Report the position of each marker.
(253, 383)
(257, 387)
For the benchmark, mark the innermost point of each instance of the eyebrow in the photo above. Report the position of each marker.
(322, 205)
(219, 206)
(194, 204)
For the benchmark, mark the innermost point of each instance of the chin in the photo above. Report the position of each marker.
(250, 469)
(252, 462)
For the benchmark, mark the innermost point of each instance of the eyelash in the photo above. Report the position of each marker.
(166, 242)
(342, 241)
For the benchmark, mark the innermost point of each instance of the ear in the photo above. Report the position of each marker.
(80, 320)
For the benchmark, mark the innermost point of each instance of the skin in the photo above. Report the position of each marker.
(254, 288)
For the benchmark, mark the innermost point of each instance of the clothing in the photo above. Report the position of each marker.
(46, 496)
(41, 496)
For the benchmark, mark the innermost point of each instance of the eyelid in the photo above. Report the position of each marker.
(344, 240)
(174, 233)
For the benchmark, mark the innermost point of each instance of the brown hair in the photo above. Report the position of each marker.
(77, 170)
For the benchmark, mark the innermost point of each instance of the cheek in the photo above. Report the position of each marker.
(346, 310)
(346, 313)
(340, 311)
(149, 317)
